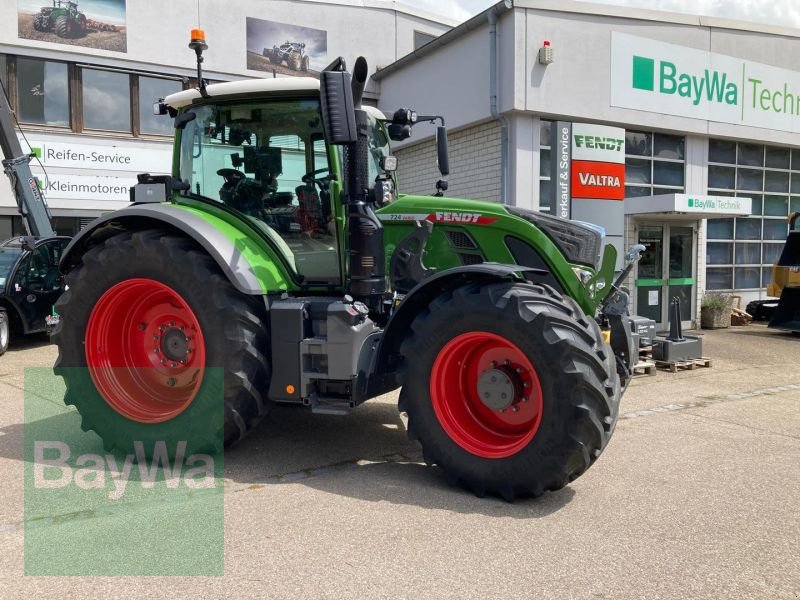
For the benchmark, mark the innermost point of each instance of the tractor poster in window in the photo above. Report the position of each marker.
(285, 49)
(98, 24)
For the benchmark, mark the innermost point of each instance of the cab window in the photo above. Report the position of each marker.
(267, 160)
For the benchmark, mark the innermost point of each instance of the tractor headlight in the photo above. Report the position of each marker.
(581, 243)
(384, 192)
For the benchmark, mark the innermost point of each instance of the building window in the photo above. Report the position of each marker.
(742, 250)
(421, 38)
(106, 100)
(545, 166)
(655, 163)
(42, 92)
(151, 89)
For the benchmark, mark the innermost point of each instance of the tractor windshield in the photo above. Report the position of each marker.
(8, 258)
(268, 160)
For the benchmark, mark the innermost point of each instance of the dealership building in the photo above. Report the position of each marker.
(85, 100)
(538, 93)
(675, 131)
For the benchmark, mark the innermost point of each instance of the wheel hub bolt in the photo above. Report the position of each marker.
(171, 382)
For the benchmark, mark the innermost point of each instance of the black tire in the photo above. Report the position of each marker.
(63, 27)
(305, 63)
(5, 332)
(234, 326)
(576, 370)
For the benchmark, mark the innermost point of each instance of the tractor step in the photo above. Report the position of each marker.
(329, 406)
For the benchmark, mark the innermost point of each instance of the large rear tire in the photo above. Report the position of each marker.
(509, 388)
(146, 321)
(64, 27)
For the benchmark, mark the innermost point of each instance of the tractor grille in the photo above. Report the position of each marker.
(461, 240)
(470, 259)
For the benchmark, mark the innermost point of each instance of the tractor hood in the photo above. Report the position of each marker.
(581, 243)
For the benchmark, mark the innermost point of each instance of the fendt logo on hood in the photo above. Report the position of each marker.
(653, 75)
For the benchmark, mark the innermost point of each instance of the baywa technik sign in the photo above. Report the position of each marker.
(665, 78)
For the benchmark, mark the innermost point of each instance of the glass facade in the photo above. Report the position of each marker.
(77, 98)
(740, 251)
(655, 163)
(151, 90)
(43, 92)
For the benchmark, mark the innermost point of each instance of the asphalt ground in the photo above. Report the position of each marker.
(697, 496)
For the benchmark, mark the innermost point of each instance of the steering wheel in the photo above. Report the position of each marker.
(231, 175)
(310, 177)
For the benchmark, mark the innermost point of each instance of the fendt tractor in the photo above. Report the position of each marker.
(63, 18)
(280, 252)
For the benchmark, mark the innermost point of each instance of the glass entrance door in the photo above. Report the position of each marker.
(666, 270)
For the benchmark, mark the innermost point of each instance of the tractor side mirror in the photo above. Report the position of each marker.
(338, 114)
(442, 157)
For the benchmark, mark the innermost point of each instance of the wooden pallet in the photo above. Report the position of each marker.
(689, 365)
(644, 367)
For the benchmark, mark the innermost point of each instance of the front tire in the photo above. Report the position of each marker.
(5, 332)
(155, 344)
(509, 388)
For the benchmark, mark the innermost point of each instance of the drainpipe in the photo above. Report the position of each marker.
(493, 85)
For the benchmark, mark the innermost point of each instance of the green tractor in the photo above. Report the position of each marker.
(63, 18)
(280, 252)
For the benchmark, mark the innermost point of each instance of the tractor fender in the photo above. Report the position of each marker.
(223, 250)
(419, 297)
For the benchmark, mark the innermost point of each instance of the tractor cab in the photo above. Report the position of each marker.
(267, 159)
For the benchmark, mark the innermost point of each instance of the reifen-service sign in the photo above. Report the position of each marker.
(598, 162)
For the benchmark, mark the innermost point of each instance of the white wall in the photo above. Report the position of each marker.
(474, 164)
(158, 32)
(453, 82)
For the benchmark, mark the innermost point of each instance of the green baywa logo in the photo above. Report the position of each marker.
(711, 86)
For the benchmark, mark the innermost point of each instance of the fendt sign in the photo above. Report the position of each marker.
(598, 162)
(665, 78)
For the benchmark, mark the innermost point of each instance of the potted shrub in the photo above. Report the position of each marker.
(715, 311)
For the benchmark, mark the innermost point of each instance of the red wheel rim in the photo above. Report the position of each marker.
(145, 350)
(464, 372)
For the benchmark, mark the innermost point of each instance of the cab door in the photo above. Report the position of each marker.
(37, 283)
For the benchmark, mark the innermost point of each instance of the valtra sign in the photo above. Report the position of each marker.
(598, 162)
